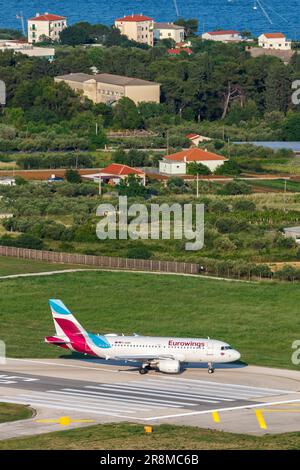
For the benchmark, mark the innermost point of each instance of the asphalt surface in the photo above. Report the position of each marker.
(104, 392)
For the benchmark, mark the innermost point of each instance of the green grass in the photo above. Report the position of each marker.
(132, 436)
(261, 320)
(12, 265)
(279, 184)
(12, 412)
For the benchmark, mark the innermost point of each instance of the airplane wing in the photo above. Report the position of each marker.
(145, 357)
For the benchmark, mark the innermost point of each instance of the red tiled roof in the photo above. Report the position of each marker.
(135, 18)
(194, 155)
(192, 136)
(222, 32)
(117, 169)
(274, 35)
(47, 17)
(177, 50)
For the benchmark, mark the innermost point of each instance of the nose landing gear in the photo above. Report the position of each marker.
(144, 369)
(210, 368)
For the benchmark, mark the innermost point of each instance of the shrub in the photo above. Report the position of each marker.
(139, 252)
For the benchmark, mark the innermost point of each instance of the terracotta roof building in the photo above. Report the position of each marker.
(138, 28)
(223, 35)
(115, 172)
(276, 41)
(45, 26)
(176, 163)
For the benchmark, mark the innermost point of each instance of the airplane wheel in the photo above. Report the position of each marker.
(143, 370)
(211, 371)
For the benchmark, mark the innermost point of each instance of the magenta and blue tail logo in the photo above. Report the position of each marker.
(66, 323)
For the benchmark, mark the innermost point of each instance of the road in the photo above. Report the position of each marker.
(100, 392)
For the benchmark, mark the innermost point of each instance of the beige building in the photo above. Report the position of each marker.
(107, 88)
(47, 25)
(275, 41)
(138, 28)
(169, 31)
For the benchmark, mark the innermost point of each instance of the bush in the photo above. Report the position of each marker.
(235, 187)
(244, 205)
(24, 240)
(224, 244)
(139, 252)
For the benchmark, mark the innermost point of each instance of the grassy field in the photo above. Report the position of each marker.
(292, 186)
(261, 320)
(10, 266)
(131, 436)
(11, 412)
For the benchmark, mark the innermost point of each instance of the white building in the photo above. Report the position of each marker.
(23, 47)
(45, 26)
(138, 28)
(177, 163)
(115, 172)
(7, 181)
(223, 35)
(275, 41)
(169, 31)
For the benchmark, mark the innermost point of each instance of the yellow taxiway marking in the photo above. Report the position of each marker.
(261, 420)
(64, 421)
(216, 417)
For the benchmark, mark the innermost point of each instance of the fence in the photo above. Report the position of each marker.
(108, 262)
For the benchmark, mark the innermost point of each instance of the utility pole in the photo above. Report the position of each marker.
(100, 184)
(284, 196)
(197, 185)
(96, 128)
(168, 142)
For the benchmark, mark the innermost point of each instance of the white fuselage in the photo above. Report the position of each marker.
(181, 349)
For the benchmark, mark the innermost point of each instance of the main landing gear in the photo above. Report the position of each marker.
(210, 368)
(144, 369)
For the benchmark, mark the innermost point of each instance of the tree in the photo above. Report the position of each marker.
(278, 88)
(126, 115)
(72, 176)
(235, 187)
(190, 25)
(195, 168)
(291, 127)
(131, 187)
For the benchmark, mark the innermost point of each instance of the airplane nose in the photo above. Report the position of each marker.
(236, 355)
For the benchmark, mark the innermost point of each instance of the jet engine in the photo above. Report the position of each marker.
(169, 366)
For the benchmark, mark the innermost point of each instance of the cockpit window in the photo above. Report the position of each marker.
(225, 348)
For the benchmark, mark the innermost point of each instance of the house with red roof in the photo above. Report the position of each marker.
(138, 28)
(275, 41)
(177, 163)
(113, 173)
(223, 35)
(196, 139)
(45, 26)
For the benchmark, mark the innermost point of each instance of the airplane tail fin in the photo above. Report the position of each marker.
(65, 323)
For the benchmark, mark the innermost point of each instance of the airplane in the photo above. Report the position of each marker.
(165, 354)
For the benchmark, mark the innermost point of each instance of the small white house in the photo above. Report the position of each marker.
(177, 163)
(115, 172)
(276, 41)
(169, 31)
(223, 35)
(7, 181)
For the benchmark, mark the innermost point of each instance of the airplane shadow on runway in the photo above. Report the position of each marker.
(136, 365)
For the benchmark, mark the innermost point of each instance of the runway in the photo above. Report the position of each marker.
(109, 393)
